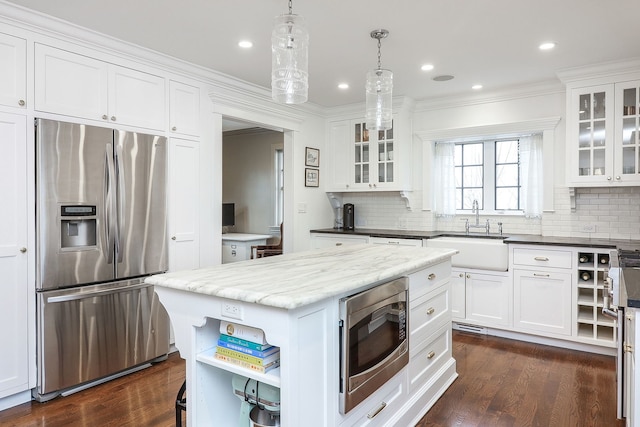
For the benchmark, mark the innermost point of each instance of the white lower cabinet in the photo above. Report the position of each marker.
(14, 313)
(542, 301)
(631, 374)
(395, 241)
(488, 297)
(320, 240)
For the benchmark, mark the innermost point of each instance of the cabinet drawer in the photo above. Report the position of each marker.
(395, 242)
(430, 357)
(428, 314)
(542, 258)
(428, 279)
(380, 406)
(319, 241)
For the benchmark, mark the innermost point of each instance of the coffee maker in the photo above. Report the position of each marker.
(260, 402)
(348, 212)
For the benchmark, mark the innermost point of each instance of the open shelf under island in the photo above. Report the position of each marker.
(294, 299)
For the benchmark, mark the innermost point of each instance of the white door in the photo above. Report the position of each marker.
(13, 73)
(184, 158)
(14, 369)
(488, 299)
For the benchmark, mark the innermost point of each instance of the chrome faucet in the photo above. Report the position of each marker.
(475, 209)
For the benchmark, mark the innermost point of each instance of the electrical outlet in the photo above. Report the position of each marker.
(232, 310)
(589, 228)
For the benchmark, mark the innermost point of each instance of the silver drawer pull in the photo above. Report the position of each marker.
(541, 258)
(372, 415)
(431, 276)
(431, 310)
(431, 355)
(338, 244)
(540, 275)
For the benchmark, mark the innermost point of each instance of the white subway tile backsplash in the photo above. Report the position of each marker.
(614, 211)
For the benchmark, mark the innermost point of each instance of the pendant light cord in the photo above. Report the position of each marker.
(379, 55)
(290, 7)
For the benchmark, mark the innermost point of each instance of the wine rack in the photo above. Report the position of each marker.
(591, 273)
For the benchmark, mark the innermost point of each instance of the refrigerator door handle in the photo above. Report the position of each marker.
(109, 197)
(120, 204)
(82, 295)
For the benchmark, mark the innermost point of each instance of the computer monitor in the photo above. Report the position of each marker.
(228, 214)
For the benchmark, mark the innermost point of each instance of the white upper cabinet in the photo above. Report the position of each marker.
(75, 85)
(602, 133)
(364, 160)
(13, 72)
(184, 109)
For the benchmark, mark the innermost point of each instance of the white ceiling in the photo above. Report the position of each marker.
(490, 42)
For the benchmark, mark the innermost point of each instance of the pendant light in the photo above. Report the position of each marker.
(379, 88)
(289, 59)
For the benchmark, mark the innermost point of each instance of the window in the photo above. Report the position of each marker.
(489, 172)
(279, 181)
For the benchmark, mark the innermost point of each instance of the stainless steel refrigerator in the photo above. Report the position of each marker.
(101, 229)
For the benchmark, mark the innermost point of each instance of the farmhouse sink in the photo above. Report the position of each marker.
(475, 252)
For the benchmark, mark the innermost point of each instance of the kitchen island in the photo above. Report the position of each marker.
(294, 299)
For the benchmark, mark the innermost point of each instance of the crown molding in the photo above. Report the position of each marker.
(547, 87)
(613, 70)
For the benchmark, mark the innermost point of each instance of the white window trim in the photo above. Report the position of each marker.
(546, 126)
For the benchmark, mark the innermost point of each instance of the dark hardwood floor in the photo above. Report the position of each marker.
(501, 383)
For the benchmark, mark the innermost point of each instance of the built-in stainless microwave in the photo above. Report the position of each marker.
(374, 343)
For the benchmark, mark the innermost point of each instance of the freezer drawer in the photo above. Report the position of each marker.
(92, 332)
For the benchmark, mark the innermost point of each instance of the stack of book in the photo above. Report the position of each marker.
(246, 347)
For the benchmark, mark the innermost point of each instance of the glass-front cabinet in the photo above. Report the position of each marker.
(604, 147)
(361, 159)
(373, 157)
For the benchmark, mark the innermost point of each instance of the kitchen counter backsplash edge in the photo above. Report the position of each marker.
(523, 239)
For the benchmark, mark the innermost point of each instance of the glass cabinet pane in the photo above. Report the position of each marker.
(598, 133)
(629, 160)
(630, 102)
(599, 110)
(585, 107)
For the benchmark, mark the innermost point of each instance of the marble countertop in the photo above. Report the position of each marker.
(293, 280)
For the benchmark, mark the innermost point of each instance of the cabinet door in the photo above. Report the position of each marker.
(458, 292)
(488, 299)
(184, 109)
(136, 98)
(14, 314)
(591, 136)
(70, 84)
(13, 73)
(627, 137)
(361, 143)
(542, 301)
(339, 167)
(184, 252)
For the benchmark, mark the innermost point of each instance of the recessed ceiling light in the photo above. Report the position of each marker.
(246, 44)
(443, 78)
(427, 67)
(547, 45)
(476, 87)
(343, 86)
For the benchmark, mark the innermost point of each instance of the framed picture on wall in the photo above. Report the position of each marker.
(311, 177)
(312, 157)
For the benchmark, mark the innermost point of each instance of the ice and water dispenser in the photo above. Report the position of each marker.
(77, 226)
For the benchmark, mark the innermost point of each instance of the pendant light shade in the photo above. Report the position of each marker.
(379, 87)
(289, 59)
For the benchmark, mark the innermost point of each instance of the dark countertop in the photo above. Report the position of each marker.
(524, 239)
(632, 276)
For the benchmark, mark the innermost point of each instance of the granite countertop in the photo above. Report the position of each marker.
(524, 239)
(293, 280)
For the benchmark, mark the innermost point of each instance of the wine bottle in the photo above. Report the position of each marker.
(583, 258)
(585, 275)
(604, 259)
